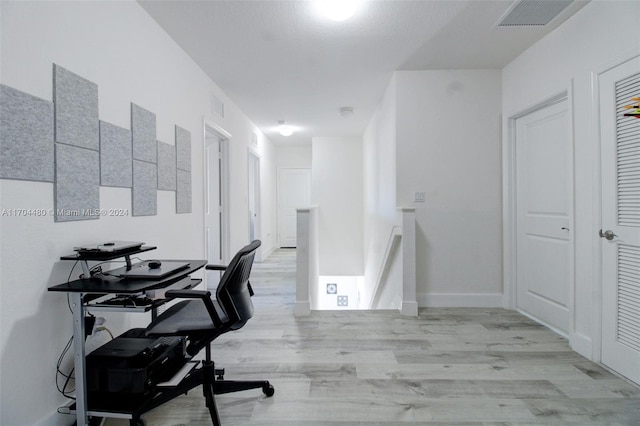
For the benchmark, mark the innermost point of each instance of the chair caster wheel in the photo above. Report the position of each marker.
(268, 390)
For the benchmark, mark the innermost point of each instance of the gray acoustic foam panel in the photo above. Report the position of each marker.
(183, 148)
(166, 166)
(145, 189)
(116, 167)
(183, 193)
(26, 136)
(76, 109)
(77, 186)
(143, 134)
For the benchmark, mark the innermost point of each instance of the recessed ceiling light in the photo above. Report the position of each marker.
(338, 10)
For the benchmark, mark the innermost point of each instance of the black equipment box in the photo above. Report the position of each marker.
(132, 363)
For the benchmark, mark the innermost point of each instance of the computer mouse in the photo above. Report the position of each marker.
(154, 264)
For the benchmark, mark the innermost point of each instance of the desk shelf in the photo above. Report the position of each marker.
(105, 256)
(99, 304)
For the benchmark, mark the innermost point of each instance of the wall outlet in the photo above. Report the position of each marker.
(418, 197)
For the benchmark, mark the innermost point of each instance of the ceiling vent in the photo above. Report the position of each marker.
(532, 12)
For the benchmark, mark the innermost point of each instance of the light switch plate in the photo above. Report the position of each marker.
(418, 197)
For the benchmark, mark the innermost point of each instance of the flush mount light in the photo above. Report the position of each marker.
(338, 10)
(284, 129)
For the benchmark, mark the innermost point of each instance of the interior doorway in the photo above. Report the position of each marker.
(544, 249)
(216, 196)
(255, 221)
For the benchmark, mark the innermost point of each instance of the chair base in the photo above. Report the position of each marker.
(214, 384)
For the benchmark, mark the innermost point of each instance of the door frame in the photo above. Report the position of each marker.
(509, 213)
(224, 138)
(598, 279)
(253, 156)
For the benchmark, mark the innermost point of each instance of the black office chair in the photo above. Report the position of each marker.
(202, 319)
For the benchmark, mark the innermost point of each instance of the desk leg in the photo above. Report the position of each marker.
(79, 359)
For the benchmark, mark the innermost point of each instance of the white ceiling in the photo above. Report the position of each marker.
(281, 60)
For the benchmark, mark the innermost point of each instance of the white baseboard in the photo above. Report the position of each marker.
(454, 300)
(302, 308)
(409, 309)
(583, 345)
(57, 419)
(268, 252)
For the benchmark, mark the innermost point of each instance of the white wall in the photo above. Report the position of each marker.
(379, 174)
(293, 156)
(336, 188)
(449, 147)
(268, 200)
(600, 35)
(119, 47)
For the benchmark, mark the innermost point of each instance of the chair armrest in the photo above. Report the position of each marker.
(216, 267)
(203, 295)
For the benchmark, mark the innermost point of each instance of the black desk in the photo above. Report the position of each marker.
(88, 294)
(112, 284)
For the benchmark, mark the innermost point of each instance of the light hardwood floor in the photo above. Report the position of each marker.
(446, 367)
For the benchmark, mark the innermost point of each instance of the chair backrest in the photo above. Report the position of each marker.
(234, 292)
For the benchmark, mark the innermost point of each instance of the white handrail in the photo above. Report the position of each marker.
(390, 252)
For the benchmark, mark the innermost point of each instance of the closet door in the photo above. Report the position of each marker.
(620, 156)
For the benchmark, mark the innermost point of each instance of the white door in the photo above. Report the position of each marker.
(254, 200)
(294, 191)
(544, 205)
(213, 217)
(620, 156)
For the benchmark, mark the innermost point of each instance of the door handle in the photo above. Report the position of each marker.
(608, 234)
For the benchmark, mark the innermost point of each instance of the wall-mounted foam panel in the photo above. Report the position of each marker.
(143, 134)
(76, 109)
(145, 185)
(26, 136)
(77, 190)
(116, 167)
(183, 193)
(183, 148)
(166, 166)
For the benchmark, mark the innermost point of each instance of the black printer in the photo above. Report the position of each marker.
(131, 364)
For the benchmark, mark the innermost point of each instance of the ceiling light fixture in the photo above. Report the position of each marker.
(338, 10)
(284, 129)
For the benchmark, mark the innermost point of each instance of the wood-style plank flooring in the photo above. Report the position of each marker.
(446, 367)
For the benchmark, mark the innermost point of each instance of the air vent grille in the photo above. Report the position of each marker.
(533, 12)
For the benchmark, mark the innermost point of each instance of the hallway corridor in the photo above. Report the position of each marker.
(448, 366)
